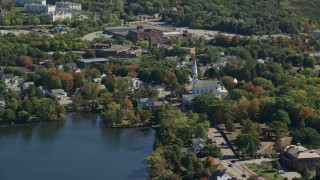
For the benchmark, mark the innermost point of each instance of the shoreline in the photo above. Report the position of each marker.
(131, 125)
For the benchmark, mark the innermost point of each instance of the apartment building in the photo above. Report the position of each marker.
(39, 8)
(54, 16)
(36, 2)
(68, 6)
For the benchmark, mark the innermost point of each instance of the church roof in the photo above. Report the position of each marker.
(195, 68)
(207, 84)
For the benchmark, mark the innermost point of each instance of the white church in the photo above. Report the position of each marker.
(203, 86)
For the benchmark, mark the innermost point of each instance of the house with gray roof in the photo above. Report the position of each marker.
(26, 85)
(197, 144)
(145, 103)
(57, 94)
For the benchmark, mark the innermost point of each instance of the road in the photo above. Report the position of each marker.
(238, 168)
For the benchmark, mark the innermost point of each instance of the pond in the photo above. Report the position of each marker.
(78, 148)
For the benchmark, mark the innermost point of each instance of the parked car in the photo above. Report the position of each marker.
(230, 165)
(267, 156)
(233, 161)
(281, 172)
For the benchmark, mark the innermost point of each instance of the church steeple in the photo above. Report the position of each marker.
(195, 72)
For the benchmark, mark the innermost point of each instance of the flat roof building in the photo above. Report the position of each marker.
(55, 16)
(68, 6)
(141, 34)
(87, 63)
(39, 8)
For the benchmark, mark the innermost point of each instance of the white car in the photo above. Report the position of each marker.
(281, 172)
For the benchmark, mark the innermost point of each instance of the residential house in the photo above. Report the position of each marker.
(197, 144)
(296, 157)
(316, 33)
(184, 151)
(158, 104)
(161, 90)
(135, 83)
(26, 85)
(12, 82)
(57, 94)
(7, 77)
(145, 103)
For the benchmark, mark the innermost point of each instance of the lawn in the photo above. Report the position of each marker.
(18, 9)
(264, 170)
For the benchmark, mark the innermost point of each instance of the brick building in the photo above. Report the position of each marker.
(142, 34)
(296, 157)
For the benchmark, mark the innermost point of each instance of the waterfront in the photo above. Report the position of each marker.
(78, 148)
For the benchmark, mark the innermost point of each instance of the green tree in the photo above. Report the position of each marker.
(210, 150)
(113, 114)
(276, 165)
(308, 137)
(247, 144)
(282, 116)
(230, 126)
(23, 116)
(279, 127)
(305, 173)
(89, 54)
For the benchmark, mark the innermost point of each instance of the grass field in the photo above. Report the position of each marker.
(265, 171)
(18, 9)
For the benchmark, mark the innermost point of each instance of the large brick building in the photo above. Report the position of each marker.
(296, 157)
(142, 34)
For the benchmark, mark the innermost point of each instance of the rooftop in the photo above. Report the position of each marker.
(93, 60)
(301, 152)
(207, 83)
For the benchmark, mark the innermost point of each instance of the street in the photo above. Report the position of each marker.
(238, 168)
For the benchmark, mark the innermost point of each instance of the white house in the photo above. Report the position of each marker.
(36, 2)
(223, 176)
(54, 16)
(135, 83)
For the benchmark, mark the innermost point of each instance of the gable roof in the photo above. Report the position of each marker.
(207, 84)
(7, 76)
(57, 91)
